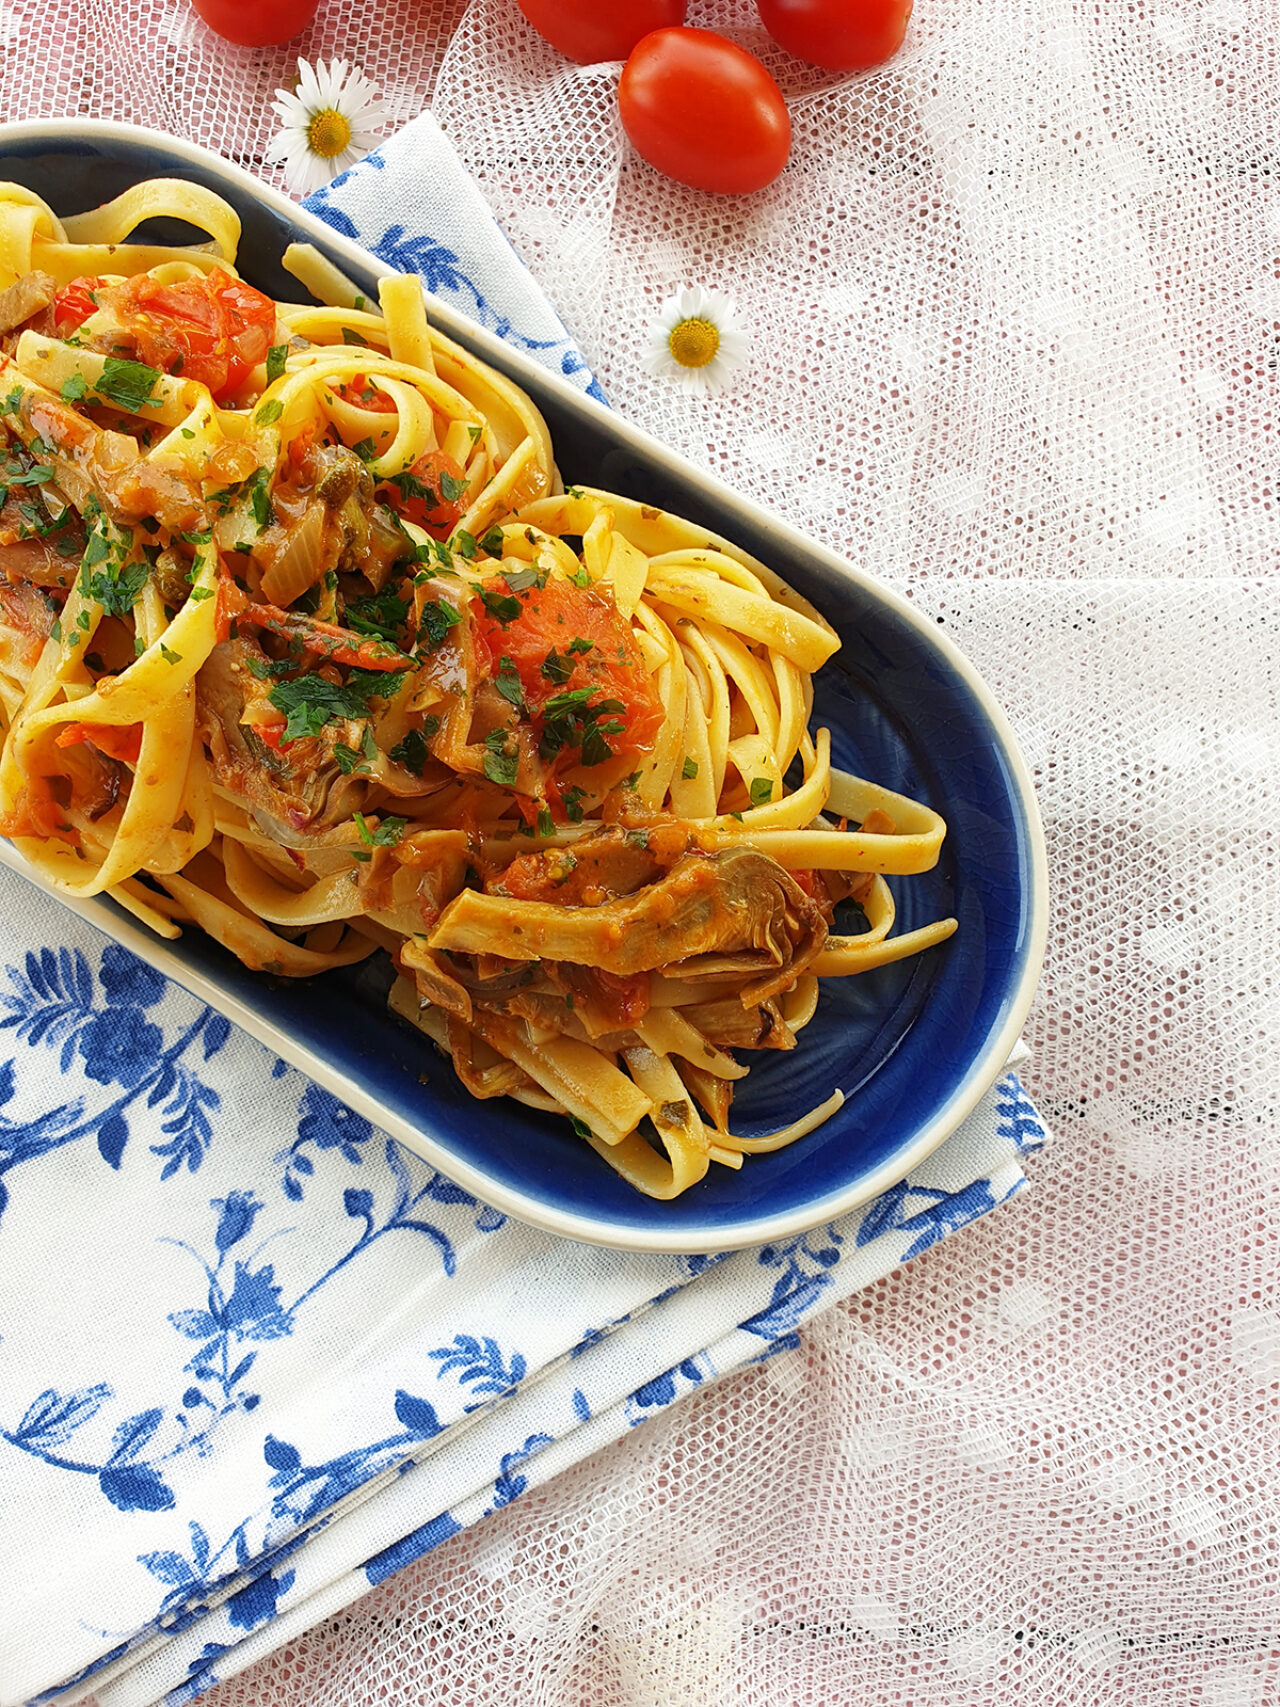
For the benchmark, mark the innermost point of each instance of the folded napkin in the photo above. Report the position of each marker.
(255, 1357)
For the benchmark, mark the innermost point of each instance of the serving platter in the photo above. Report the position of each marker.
(912, 1045)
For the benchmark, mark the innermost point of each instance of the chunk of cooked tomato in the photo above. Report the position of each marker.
(117, 741)
(73, 305)
(215, 328)
(572, 642)
(361, 395)
(430, 494)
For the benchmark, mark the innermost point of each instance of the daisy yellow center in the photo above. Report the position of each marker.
(693, 343)
(328, 134)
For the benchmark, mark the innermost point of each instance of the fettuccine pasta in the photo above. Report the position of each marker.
(304, 642)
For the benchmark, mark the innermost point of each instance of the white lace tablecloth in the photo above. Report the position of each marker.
(1014, 314)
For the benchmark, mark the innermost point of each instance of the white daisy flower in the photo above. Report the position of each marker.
(696, 341)
(328, 123)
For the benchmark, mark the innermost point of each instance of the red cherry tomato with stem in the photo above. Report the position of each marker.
(256, 23)
(839, 35)
(704, 111)
(592, 30)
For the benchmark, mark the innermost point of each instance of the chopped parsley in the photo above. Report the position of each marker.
(438, 617)
(492, 542)
(382, 614)
(106, 576)
(689, 769)
(578, 644)
(348, 759)
(555, 668)
(413, 752)
(277, 355)
(129, 385)
(13, 475)
(546, 825)
(270, 411)
(260, 500)
(463, 543)
(73, 388)
(366, 450)
(500, 765)
(569, 721)
(386, 835)
(170, 657)
(507, 681)
(309, 702)
(520, 580)
(351, 336)
(13, 402)
(268, 669)
(761, 791)
(503, 606)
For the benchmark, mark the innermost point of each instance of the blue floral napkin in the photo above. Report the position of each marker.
(254, 1357)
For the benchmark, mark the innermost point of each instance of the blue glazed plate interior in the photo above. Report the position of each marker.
(901, 1042)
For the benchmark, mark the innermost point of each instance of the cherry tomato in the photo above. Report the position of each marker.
(568, 638)
(430, 494)
(256, 23)
(841, 35)
(214, 328)
(704, 111)
(592, 30)
(74, 304)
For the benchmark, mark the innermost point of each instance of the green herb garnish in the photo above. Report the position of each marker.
(129, 385)
(500, 766)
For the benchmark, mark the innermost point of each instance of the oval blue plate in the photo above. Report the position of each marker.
(913, 1046)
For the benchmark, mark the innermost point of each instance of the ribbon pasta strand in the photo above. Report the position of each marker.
(304, 644)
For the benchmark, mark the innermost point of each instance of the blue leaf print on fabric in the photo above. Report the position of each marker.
(940, 1213)
(479, 1364)
(52, 1418)
(417, 1415)
(330, 1124)
(256, 1603)
(55, 1001)
(239, 1210)
(201, 1676)
(113, 1135)
(51, 998)
(441, 271)
(410, 1547)
(135, 1487)
(510, 1484)
(1016, 1116)
(804, 1267)
(170, 1567)
(332, 216)
(285, 1460)
(661, 1391)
